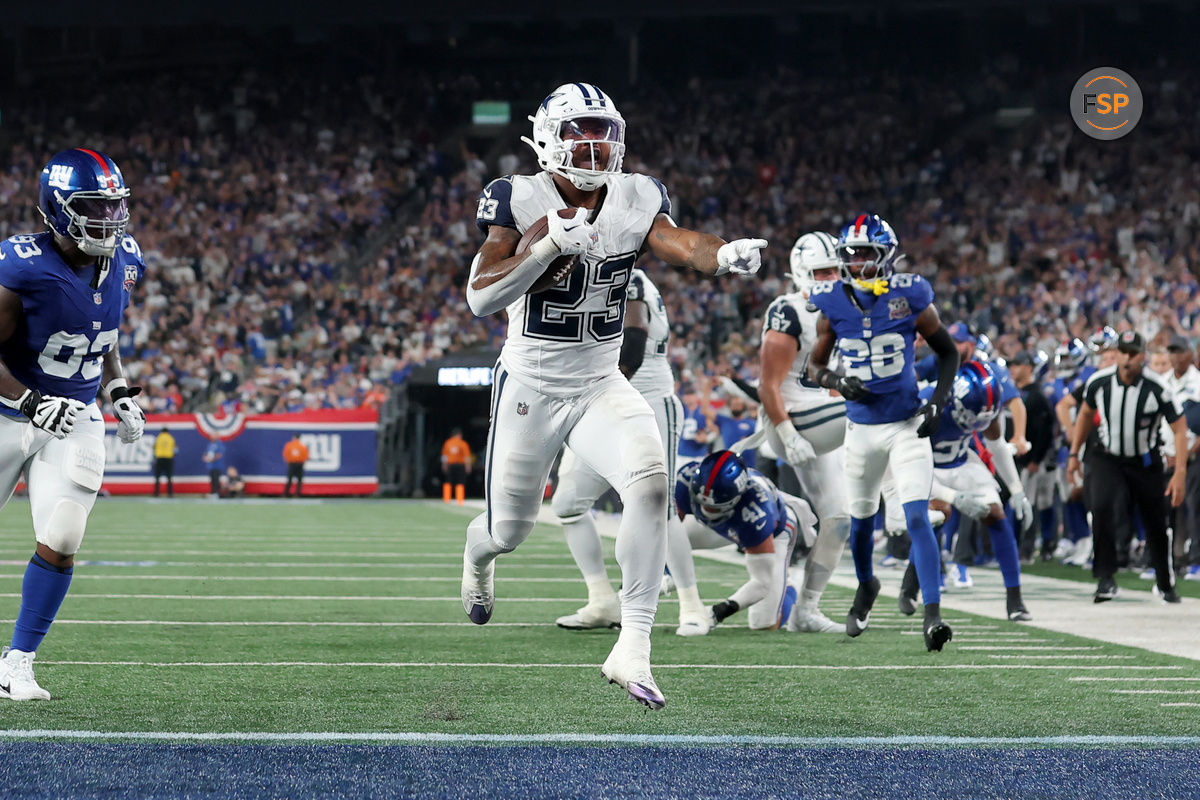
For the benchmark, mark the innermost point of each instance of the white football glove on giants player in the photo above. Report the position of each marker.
(54, 415)
(1022, 509)
(796, 449)
(741, 256)
(972, 505)
(572, 236)
(131, 420)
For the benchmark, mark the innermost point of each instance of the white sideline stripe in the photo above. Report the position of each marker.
(998, 655)
(502, 665)
(1155, 691)
(139, 554)
(1180, 705)
(1140, 680)
(371, 598)
(606, 738)
(308, 624)
(340, 578)
(998, 633)
(1023, 647)
(291, 564)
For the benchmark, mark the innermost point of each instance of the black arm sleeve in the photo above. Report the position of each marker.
(633, 350)
(751, 391)
(947, 355)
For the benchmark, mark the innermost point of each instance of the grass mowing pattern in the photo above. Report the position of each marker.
(198, 550)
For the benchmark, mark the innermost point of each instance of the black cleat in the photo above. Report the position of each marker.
(937, 633)
(1106, 590)
(864, 599)
(1169, 596)
(1017, 612)
(909, 586)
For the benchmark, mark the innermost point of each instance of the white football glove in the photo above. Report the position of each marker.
(1022, 509)
(972, 505)
(131, 420)
(796, 449)
(741, 256)
(574, 236)
(54, 415)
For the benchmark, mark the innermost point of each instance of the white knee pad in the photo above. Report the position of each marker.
(839, 526)
(642, 456)
(507, 534)
(64, 528)
(567, 504)
(649, 492)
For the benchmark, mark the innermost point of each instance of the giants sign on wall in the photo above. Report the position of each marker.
(341, 451)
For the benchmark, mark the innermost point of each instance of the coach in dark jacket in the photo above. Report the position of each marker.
(1130, 404)
(1036, 464)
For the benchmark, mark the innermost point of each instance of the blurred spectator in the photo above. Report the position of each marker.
(214, 457)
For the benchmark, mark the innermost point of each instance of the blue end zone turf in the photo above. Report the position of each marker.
(70, 770)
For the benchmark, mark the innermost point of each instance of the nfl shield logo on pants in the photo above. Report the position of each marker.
(522, 409)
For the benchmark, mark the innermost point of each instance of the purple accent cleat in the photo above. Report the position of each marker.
(479, 613)
(649, 696)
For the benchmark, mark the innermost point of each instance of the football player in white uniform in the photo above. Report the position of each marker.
(557, 379)
(804, 422)
(644, 362)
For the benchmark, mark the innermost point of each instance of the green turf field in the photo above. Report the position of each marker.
(201, 616)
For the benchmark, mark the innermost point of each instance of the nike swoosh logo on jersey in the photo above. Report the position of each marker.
(573, 227)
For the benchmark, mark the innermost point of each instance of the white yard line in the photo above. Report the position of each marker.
(324, 578)
(273, 597)
(610, 738)
(557, 665)
(1154, 691)
(1055, 648)
(1056, 658)
(1138, 679)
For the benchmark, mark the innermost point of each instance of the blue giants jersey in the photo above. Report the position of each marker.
(66, 326)
(694, 421)
(759, 515)
(951, 443)
(876, 342)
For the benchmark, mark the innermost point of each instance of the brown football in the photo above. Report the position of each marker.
(560, 267)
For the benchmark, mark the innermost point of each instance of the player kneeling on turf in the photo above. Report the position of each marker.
(725, 501)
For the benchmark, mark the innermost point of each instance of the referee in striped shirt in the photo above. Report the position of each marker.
(1128, 404)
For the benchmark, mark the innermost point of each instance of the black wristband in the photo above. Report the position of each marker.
(827, 378)
(724, 609)
(32, 401)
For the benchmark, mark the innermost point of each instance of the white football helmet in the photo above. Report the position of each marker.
(574, 116)
(813, 251)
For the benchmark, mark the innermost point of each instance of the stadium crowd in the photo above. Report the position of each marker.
(309, 242)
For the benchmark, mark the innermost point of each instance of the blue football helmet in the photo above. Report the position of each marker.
(975, 397)
(1069, 358)
(82, 197)
(718, 485)
(984, 346)
(1041, 365)
(868, 244)
(1103, 339)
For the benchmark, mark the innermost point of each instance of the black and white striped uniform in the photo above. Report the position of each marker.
(1129, 464)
